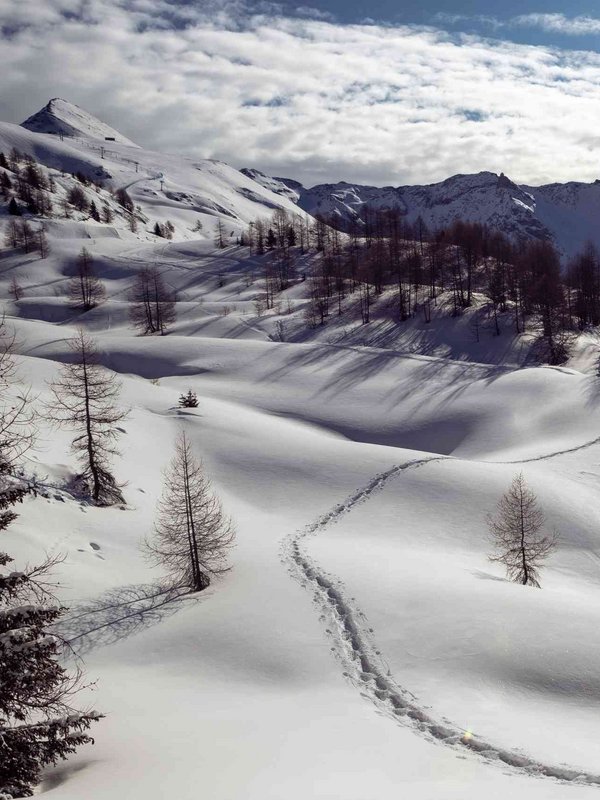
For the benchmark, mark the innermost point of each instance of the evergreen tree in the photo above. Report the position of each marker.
(271, 239)
(13, 208)
(32, 205)
(3, 161)
(124, 200)
(94, 214)
(77, 198)
(37, 723)
(5, 184)
(157, 229)
(188, 400)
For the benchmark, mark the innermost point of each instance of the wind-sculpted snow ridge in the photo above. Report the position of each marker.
(364, 664)
(576, 448)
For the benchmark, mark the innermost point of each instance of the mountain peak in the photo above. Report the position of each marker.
(61, 117)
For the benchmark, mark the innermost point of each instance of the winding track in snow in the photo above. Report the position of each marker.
(365, 666)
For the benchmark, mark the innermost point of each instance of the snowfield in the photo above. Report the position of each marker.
(362, 646)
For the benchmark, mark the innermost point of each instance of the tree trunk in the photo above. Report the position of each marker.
(523, 552)
(90, 441)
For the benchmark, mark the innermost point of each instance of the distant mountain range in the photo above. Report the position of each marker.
(567, 213)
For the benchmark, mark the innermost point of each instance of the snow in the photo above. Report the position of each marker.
(62, 117)
(165, 187)
(362, 645)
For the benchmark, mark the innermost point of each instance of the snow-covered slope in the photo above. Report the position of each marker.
(286, 188)
(362, 647)
(565, 213)
(337, 462)
(165, 187)
(61, 117)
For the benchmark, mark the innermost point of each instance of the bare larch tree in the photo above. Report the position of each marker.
(84, 398)
(85, 289)
(17, 417)
(152, 303)
(192, 533)
(15, 289)
(517, 533)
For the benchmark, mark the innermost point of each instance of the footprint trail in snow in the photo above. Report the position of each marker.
(365, 666)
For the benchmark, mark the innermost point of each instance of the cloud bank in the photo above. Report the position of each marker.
(550, 23)
(559, 23)
(305, 97)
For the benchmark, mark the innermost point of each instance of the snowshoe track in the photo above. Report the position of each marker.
(363, 663)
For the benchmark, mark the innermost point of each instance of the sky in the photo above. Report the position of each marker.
(388, 92)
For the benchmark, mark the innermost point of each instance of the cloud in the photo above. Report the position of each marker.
(305, 97)
(484, 20)
(549, 23)
(559, 23)
(313, 13)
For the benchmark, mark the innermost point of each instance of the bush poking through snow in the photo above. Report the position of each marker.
(192, 533)
(188, 400)
(516, 532)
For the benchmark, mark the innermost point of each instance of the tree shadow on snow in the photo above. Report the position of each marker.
(60, 774)
(119, 614)
(487, 576)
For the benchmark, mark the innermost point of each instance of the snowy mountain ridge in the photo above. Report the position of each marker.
(567, 213)
(192, 194)
(64, 136)
(62, 117)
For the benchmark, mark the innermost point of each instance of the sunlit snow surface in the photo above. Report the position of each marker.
(359, 478)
